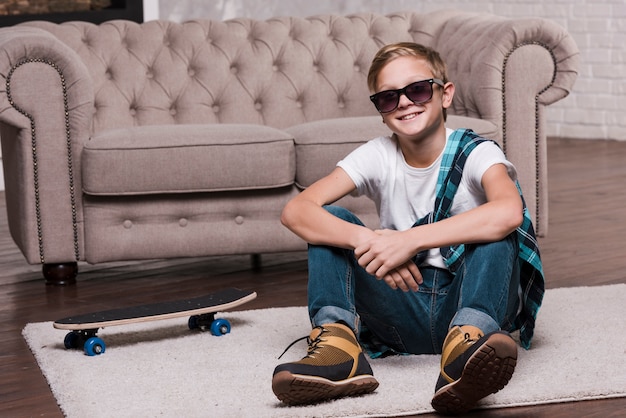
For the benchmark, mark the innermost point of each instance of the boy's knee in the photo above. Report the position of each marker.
(509, 243)
(343, 213)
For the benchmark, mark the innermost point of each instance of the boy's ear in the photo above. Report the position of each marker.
(448, 94)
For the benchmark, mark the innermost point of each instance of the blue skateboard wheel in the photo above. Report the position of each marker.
(94, 346)
(220, 327)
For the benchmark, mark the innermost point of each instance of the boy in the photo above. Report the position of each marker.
(442, 275)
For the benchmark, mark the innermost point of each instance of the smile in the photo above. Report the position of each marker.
(409, 116)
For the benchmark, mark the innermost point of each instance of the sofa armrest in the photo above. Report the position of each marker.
(507, 71)
(46, 106)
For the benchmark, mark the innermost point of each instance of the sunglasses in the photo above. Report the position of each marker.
(418, 92)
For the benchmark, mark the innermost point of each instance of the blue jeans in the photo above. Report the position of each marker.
(483, 293)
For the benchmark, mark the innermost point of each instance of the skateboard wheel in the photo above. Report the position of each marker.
(220, 327)
(71, 340)
(94, 346)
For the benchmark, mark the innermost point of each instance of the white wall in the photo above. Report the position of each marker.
(150, 10)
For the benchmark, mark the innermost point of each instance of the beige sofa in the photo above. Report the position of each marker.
(163, 140)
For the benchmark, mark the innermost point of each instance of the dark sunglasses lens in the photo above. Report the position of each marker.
(386, 101)
(419, 92)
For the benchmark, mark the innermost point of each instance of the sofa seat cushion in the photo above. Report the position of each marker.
(321, 144)
(187, 158)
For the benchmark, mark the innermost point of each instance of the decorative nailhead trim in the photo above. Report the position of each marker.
(506, 59)
(33, 133)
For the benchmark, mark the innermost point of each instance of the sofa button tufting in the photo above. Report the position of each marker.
(182, 222)
(258, 105)
(239, 220)
(127, 224)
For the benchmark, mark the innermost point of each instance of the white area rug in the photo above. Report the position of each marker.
(163, 369)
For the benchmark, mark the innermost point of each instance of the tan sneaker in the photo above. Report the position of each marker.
(334, 366)
(472, 367)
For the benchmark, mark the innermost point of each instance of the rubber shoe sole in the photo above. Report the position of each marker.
(487, 371)
(294, 389)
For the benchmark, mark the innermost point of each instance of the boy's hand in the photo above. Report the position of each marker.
(405, 277)
(387, 256)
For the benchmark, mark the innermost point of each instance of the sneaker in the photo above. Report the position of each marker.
(334, 366)
(472, 367)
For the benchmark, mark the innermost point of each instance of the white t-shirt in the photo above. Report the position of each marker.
(404, 194)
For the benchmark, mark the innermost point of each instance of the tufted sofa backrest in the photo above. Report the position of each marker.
(279, 72)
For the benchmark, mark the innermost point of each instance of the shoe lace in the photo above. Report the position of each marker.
(312, 342)
(468, 338)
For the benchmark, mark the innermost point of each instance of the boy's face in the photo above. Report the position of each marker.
(410, 121)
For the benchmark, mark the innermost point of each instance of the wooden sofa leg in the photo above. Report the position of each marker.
(256, 262)
(60, 274)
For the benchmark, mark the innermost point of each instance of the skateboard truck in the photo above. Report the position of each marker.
(205, 322)
(86, 338)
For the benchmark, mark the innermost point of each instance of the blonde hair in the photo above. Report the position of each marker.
(406, 49)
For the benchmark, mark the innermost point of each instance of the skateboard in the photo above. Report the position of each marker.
(201, 311)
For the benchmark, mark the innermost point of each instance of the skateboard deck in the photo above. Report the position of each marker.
(201, 311)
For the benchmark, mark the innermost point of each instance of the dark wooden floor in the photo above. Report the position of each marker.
(585, 246)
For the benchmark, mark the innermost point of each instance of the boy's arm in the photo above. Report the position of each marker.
(490, 222)
(305, 216)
